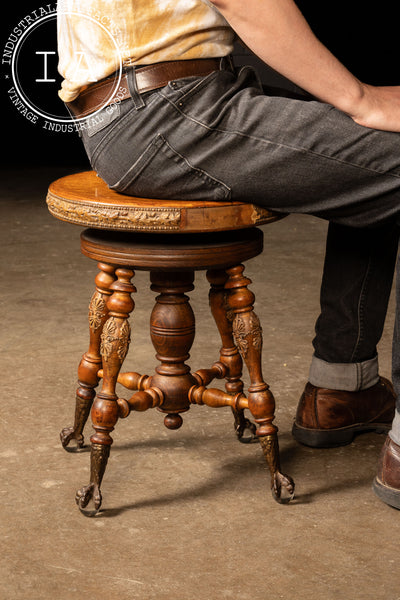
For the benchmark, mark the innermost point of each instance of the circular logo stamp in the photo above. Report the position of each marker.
(31, 59)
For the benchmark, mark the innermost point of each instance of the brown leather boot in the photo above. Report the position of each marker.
(328, 418)
(387, 481)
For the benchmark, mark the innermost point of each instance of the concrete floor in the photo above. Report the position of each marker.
(187, 514)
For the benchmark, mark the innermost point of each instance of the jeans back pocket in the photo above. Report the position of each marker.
(162, 172)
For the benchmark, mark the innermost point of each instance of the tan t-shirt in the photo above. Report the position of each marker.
(97, 37)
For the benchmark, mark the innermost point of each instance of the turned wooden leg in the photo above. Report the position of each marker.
(229, 353)
(172, 330)
(115, 340)
(91, 360)
(248, 338)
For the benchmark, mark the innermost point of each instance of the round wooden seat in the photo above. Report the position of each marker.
(123, 236)
(85, 199)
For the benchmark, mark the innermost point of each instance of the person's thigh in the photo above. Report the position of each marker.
(222, 137)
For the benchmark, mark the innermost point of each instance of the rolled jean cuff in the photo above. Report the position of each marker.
(394, 433)
(349, 377)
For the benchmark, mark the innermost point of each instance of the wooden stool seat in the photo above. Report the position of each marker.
(171, 240)
(84, 199)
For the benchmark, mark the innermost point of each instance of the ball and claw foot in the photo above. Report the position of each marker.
(67, 435)
(282, 487)
(85, 495)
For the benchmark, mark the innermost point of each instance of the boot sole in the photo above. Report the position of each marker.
(387, 494)
(332, 438)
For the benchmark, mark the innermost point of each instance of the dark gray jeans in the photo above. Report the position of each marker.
(221, 136)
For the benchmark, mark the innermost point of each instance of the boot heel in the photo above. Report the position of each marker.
(318, 438)
(389, 495)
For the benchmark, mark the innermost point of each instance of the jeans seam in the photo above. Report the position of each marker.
(360, 311)
(276, 144)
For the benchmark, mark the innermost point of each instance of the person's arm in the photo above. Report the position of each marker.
(276, 31)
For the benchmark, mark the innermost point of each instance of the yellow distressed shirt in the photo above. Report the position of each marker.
(97, 37)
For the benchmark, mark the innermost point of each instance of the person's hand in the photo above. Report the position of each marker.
(379, 108)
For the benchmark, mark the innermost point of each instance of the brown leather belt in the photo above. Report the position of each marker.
(148, 78)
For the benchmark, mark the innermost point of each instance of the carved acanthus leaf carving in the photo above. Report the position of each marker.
(245, 328)
(114, 217)
(124, 340)
(256, 331)
(240, 335)
(115, 337)
(97, 311)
